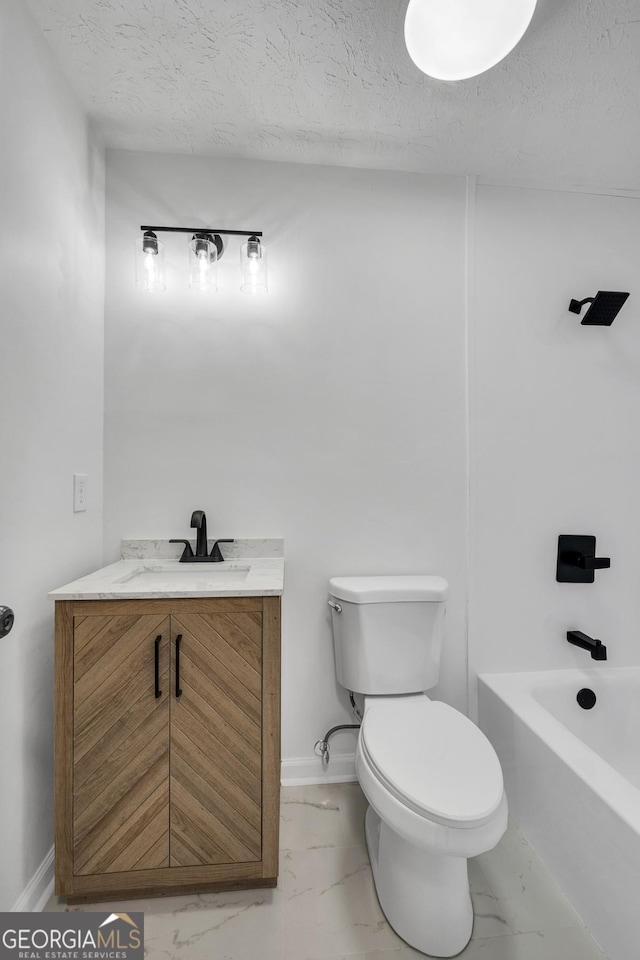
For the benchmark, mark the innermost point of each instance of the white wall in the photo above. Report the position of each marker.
(331, 412)
(51, 308)
(554, 427)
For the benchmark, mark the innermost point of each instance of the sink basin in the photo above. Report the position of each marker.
(192, 573)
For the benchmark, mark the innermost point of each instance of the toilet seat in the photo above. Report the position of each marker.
(432, 759)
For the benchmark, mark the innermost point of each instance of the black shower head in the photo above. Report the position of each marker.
(603, 310)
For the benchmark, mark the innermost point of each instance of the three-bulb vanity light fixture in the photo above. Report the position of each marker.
(206, 246)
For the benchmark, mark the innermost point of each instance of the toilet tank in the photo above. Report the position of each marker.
(387, 632)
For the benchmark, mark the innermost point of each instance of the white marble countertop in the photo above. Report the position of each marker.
(150, 577)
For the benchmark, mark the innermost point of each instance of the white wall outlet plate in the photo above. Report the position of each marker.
(79, 492)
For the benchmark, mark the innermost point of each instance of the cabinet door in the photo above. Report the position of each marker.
(216, 733)
(120, 743)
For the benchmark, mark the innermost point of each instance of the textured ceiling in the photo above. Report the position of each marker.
(330, 81)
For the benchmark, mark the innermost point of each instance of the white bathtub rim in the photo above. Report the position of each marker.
(516, 691)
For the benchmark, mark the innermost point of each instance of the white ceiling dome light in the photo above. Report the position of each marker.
(457, 39)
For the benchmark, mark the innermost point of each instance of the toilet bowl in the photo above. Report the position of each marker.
(432, 779)
(436, 797)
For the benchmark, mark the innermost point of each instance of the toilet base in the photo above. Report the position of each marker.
(424, 896)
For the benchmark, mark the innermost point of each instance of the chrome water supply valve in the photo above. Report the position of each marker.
(321, 747)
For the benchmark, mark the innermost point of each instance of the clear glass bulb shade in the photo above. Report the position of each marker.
(203, 265)
(150, 275)
(457, 39)
(253, 267)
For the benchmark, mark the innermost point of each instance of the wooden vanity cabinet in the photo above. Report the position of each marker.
(167, 746)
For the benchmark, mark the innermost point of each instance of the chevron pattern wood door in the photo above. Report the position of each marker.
(121, 744)
(216, 734)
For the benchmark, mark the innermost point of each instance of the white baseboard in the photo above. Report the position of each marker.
(298, 771)
(36, 894)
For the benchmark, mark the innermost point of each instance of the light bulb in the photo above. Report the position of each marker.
(203, 256)
(150, 267)
(253, 267)
(150, 263)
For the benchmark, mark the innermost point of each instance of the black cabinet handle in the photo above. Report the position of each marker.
(178, 689)
(157, 667)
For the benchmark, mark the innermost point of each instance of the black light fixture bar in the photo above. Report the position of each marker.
(214, 230)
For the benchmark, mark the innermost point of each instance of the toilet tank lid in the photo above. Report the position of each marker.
(389, 589)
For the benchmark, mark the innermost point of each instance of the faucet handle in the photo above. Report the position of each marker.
(591, 563)
(577, 560)
(215, 554)
(187, 553)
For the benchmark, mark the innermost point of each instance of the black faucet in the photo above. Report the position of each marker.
(597, 649)
(199, 521)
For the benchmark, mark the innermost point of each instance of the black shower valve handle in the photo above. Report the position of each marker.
(589, 563)
(577, 560)
(594, 563)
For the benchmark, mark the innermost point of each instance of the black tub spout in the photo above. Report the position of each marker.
(596, 648)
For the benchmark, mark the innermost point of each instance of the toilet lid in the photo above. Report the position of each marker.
(433, 759)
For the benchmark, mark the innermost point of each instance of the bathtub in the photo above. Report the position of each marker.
(572, 778)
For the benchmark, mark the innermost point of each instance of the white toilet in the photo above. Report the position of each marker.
(432, 779)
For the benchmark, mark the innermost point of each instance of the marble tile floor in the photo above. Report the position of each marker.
(325, 904)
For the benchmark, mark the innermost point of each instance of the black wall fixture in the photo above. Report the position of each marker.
(604, 308)
(586, 698)
(577, 561)
(595, 647)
